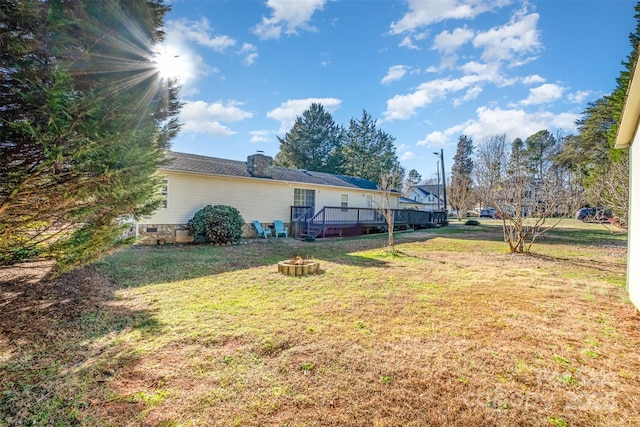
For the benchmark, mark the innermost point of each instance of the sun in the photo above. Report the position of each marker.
(171, 65)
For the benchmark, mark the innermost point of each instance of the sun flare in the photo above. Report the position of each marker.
(171, 65)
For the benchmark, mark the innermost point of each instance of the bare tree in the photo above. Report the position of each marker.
(530, 206)
(488, 165)
(389, 182)
(461, 195)
(612, 190)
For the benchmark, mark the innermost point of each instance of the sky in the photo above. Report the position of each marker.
(428, 71)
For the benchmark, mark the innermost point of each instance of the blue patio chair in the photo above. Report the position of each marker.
(261, 231)
(280, 228)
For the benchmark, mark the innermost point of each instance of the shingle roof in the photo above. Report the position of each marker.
(411, 201)
(183, 162)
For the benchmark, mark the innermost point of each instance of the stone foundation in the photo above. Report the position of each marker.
(153, 234)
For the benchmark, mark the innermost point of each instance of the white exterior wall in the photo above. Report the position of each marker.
(633, 251)
(257, 199)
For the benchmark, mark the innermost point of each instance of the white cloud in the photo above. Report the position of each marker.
(515, 123)
(407, 155)
(548, 92)
(288, 16)
(198, 32)
(579, 97)
(423, 13)
(511, 41)
(448, 42)
(533, 79)
(287, 112)
(394, 73)
(250, 53)
(261, 136)
(402, 107)
(203, 117)
(471, 94)
(407, 42)
(434, 139)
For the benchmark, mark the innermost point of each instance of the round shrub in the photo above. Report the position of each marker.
(472, 222)
(216, 224)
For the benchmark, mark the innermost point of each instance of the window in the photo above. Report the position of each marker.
(344, 203)
(369, 201)
(164, 192)
(304, 197)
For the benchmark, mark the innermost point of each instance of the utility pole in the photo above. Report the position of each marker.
(444, 180)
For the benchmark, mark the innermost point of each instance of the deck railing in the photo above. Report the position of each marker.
(332, 218)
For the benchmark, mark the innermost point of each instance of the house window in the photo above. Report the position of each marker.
(304, 197)
(369, 201)
(164, 192)
(344, 203)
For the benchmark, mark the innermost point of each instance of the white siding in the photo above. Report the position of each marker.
(633, 254)
(257, 199)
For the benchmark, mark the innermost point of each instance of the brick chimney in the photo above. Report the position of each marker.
(259, 165)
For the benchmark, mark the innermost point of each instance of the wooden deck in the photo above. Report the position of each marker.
(339, 221)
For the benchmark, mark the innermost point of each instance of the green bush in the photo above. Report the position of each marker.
(472, 222)
(216, 224)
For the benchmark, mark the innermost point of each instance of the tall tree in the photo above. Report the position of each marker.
(538, 152)
(529, 206)
(312, 143)
(80, 147)
(461, 190)
(488, 165)
(368, 151)
(591, 152)
(413, 179)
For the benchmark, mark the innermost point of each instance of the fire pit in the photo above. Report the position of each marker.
(298, 267)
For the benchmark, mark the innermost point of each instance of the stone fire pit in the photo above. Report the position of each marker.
(298, 267)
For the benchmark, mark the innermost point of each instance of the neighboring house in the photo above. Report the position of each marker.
(259, 190)
(406, 203)
(431, 196)
(629, 137)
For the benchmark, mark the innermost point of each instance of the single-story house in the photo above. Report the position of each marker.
(629, 137)
(407, 203)
(431, 196)
(258, 189)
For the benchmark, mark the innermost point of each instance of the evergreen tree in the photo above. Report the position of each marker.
(460, 190)
(463, 160)
(538, 152)
(80, 147)
(368, 152)
(413, 179)
(312, 143)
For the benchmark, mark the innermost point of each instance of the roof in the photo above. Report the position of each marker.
(631, 112)
(429, 189)
(409, 201)
(194, 163)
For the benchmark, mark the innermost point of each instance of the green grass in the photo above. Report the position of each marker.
(450, 329)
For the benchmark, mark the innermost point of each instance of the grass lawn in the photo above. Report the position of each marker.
(452, 330)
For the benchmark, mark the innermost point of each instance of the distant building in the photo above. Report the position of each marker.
(429, 195)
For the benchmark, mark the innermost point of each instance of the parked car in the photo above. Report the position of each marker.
(471, 213)
(500, 215)
(593, 214)
(487, 213)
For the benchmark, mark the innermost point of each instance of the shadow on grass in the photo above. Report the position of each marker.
(56, 343)
(149, 265)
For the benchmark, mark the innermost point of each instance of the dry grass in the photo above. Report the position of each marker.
(450, 331)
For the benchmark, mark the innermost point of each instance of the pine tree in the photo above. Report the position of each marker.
(312, 143)
(81, 147)
(369, 152)
(460, 190)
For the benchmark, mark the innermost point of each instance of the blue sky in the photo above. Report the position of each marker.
(428, 71)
